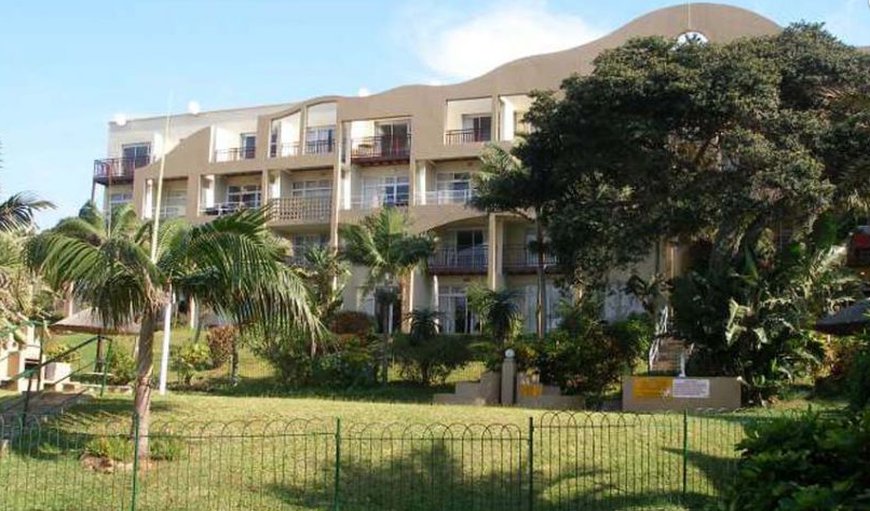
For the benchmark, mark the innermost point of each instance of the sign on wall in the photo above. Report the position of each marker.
(690, 388)
(662, 387)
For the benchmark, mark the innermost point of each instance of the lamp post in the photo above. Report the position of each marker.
(193, 109)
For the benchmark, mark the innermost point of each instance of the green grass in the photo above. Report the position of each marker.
(257, 453)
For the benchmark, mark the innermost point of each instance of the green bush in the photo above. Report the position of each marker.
(811, 462)
(352, 364)
(586, 364)
(634, 336)
(110, 447)
(432, 360)
(166, 448)
(286, 351)
(187, 359)
(56, 349)
(122, 367)
(858, 390)
(221, 341)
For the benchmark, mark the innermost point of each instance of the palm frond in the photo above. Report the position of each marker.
(18, 211)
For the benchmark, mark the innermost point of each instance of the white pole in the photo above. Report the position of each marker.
(167, 315)
(164, 354)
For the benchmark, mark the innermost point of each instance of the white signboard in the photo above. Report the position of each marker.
(690, 388)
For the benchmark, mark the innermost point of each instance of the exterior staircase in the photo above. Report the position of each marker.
(665, 355)
(27, 409)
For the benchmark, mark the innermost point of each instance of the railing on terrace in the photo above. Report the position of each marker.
(522, 259)
(377, 200)
(557, 461)
(287, 209)
(283, 150)
(172, 211)
(446, 196)
(235, 154)
(226, 208)
(459, 260)
(382, 148)
(319, 146)
(466, 136)
(118, 169)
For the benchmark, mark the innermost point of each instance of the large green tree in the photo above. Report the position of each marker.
(748, 150)
(384, 243)
(230, 265)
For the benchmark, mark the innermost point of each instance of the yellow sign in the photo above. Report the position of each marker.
(531, 389)
(652, 387)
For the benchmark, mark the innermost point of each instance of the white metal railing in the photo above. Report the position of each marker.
(302, 208)
(225, 208)
(172, 211)
(379, 200)
(445, 196)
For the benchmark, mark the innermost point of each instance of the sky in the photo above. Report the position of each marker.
(67, 68)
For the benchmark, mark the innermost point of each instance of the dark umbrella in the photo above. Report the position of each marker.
(849, 320)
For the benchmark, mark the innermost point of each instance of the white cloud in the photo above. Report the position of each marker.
(363, 92)
(463, 45)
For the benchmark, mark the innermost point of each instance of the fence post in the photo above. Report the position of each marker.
(105, 364)
(135, 494)
(337, 494)
(685, 452)
(531, 463)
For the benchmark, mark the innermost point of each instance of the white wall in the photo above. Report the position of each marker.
(457, 108)
(323, 114)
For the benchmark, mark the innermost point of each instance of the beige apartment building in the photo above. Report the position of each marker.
(332, 160)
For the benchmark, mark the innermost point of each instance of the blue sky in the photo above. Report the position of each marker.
(66, 68)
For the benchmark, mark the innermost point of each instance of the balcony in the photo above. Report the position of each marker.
(522, 259)
(235, 154)
(118, 170)
(381, 150)
(285, 150)
(226, 208)
(459, 261)
(170, 212)
(319, 146)
(467, 136)
(380, 200)
(441, 197)
(302, 209)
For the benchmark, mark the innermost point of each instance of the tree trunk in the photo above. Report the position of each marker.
(542, 280)
(144, 370)
(234, 363)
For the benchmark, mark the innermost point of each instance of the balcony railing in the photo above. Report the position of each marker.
(235, 154)
(319, 146)
(380, 200)
(456, 260)
(172, 211)
(523, 259)
(301, 209)
(226, 208)
(467, 136)
(383, 148)
(284, 150)
(118, 170)
(446, 197)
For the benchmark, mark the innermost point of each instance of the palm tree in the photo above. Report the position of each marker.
(229, 265)
(498, 310)
(326, 275)
(17, 211)
(384, 244)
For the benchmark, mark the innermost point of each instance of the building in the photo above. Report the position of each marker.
(332, 160)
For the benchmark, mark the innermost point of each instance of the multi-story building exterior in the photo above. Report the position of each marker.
(332, 160)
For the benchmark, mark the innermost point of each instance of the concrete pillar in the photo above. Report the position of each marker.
(493, 244)
(508, 379)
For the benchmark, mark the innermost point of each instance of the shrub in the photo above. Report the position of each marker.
(221, 341)
(56, 349)
(167, 448)
(122, 367)
(804, 463)
(110, 447)
(286, 352)
(189, 358)
(351, 322)
(352, 364)
(432, 360)
(581, 364)
(858, 390)
(634, 336)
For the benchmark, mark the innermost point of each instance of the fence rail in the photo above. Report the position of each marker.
(556, 461)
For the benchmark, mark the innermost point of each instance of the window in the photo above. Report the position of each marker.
(528, 304)
(244, 195)
(173, 204)
(319, 139)
(273, 140)
(248, 146)
(453, 187)
(521, 127)
(456, 316)
(470, 248)
(302, 242)
(393, 137)
(386, 191)
(117, 199)
(478, 127)
(311, 188)
(135, 156)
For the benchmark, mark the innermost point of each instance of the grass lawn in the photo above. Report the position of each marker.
(257, 453)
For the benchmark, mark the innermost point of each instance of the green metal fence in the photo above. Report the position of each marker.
(555, 461)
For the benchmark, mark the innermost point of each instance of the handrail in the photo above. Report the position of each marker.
(102, 359)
